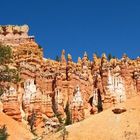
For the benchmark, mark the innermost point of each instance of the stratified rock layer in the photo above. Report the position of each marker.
(11, 105)
(47, 86)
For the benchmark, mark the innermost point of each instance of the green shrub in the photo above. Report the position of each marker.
(3, 133)
(5, 54)
(64, 133)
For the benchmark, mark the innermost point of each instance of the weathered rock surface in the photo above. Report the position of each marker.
(47, 86)
(11, 105)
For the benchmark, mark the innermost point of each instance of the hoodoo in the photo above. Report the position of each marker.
(45, 86)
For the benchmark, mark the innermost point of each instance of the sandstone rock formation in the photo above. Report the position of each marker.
(46, 86)
(11, 105)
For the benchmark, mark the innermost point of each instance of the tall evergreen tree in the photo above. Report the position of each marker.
(57, 58)
(109, 56)
(7, 74)
(68, 115)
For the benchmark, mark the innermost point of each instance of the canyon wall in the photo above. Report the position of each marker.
(47, 86)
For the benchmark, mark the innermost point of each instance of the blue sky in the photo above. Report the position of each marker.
(110, 26)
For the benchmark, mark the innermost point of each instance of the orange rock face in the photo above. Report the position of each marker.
(11, 105)
(47, 86)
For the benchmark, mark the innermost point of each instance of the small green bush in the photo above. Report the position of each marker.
(5, 54)
(3, 132)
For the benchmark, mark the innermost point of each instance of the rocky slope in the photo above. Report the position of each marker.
(107, 125)
(15, 130)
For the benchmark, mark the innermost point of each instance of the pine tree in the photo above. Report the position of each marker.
(68, 115)
(7, 74)
(109, 56)
(32, 121)
(57, 58)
